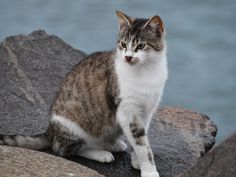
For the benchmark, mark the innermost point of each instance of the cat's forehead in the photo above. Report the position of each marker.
(133, 33)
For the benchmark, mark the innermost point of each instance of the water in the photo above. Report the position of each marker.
(201, 43)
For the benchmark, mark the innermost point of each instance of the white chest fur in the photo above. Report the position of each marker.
(142, 83)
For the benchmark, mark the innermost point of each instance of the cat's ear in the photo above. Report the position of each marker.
(155, 22)
(124, 20)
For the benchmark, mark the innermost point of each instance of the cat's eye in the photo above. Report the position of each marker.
(140, 46)
(123, 44)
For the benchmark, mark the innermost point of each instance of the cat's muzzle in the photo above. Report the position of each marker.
(131, 60)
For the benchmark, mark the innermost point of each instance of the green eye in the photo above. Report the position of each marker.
(123, 44)
(140, 46)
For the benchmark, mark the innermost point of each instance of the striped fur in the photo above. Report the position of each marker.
(37, 142)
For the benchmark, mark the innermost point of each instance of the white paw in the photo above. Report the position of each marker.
(134, 161)
(104, 157)
(119, 146)
(151, 174)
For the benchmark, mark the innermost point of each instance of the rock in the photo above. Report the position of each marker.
(17, 162)
(31, 68)
(220, 162)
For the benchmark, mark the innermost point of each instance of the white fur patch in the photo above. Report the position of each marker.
(70, 125)
(119, 146)
(134, 161)
(98, 155)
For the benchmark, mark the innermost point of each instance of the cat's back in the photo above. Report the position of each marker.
(96, 62)
(92, 71)
(88, 93)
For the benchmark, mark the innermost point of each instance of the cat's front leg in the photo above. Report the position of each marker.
(134, 161)
(132, 121)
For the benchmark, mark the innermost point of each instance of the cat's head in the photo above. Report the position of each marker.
(140, 40)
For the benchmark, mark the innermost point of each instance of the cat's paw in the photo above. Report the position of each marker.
(150, 174)
(98, 155)
(119, 146)
(134, 161)
(104, 157)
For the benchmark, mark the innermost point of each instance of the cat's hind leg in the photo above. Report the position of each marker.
(66, 147)
(67, 137)
(70, 139)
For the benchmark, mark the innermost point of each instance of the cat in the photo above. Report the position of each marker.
(106, 95)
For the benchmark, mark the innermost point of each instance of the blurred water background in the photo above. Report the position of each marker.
(201, 43)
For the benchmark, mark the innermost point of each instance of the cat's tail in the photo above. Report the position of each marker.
(36, 142)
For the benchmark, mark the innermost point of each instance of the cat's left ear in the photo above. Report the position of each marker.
(124, 20)
(155, 22)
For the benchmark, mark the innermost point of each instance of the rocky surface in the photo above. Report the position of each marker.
(17, 162)
(31, 68)
(220, 162)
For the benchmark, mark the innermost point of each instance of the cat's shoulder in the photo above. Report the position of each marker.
(101, 61)
(97, 59)
(101, 55)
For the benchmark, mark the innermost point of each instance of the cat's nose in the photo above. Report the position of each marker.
(128, 58)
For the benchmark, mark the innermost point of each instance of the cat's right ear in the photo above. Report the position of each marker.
(124, 20)
(156, 23)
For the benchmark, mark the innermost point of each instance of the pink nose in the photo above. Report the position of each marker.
(128, 58)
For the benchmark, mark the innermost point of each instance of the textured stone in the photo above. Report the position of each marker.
(31, 68)
(17, 162)
(220, 162)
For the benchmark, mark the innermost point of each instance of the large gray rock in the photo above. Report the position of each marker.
(31, 68)
(220, 162)
(17, 162)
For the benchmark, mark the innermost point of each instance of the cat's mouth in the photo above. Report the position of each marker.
(131, 61)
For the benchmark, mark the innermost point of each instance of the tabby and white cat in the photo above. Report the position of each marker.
(108, 94)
